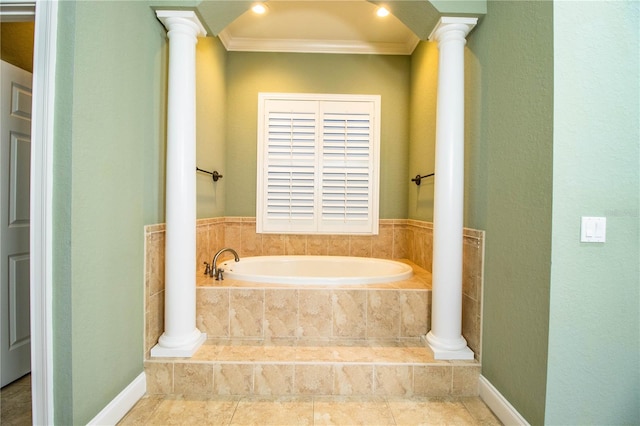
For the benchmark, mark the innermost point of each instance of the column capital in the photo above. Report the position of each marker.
(170, 18)
(450, 23)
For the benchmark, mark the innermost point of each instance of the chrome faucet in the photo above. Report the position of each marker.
(217, 272)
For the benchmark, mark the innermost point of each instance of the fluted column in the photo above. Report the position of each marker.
(181, 337)
(445, 337)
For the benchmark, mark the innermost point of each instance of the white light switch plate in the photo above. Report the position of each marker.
(593, 229)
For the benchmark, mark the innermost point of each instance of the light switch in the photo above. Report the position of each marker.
(593, 229)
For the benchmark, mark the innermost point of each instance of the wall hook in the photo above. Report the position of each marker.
(418, 178)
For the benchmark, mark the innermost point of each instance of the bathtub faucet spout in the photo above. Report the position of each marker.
(217, 272)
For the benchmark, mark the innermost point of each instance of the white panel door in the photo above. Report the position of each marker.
(15, 159)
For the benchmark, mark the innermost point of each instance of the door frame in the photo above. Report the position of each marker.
(41, 197)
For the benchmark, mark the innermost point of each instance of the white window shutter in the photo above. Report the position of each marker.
(318, 164)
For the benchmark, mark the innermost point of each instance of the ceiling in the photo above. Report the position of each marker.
(326, 26)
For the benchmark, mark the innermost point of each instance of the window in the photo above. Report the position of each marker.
(318, 162)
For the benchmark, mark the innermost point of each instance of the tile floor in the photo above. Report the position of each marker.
(177, 410)
(15, 402)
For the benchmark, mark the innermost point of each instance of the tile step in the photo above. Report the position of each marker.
(330, 367)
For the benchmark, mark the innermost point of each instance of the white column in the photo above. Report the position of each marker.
(445, 337)
(181, 338)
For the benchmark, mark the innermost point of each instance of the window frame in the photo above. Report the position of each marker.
(319, 224)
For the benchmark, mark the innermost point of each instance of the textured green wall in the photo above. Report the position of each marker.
(594, 337)
(108, 118)
(210, 125)
(251, 73)
(422, 148)
(512, 50)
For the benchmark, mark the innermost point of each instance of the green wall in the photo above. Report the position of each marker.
(210, 126)
(251, 73)
(422, 129)
(109, 125)
(594, 337)
(511, 141)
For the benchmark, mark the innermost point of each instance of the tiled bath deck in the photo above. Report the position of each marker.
(398, 368)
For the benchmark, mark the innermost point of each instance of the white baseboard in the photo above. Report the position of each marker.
(499, 404)
(122, 403)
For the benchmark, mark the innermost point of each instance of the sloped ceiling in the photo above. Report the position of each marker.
(335, 26)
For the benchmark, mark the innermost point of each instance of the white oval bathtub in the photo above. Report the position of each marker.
(316, 270)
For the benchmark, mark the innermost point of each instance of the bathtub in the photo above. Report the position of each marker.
(302, 270)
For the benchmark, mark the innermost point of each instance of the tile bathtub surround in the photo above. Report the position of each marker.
(399, 368)
(237, 309)
(397, 239)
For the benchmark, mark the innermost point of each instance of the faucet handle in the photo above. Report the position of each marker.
(207, 268)
(219, 276)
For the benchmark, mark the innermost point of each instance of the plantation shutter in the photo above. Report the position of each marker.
(347, 165)
(317, 165)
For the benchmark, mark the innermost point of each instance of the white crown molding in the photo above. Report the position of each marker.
(239, 44)
(17, 11)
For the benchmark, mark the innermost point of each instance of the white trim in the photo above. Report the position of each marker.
(499, 404)
(44, 73)
(244, 44)
(122, 403)
(17, 11)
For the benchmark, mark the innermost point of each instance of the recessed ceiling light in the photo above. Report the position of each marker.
(259, 8)
(382, 12)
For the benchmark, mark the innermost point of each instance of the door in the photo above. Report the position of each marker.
(15, 159)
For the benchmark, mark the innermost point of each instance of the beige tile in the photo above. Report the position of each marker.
(212, 311)
(432, 380)
(349, 313)
(317, 245)
(382, 244)
(154, 320)
(246, 313)
(193, 379)
(142, 411)
(465, 380)
(159, 377)
(155, 262)
(193, 411)
(295, 244)
(232, 238)
(314, 313)
(338, 245)
(413, 313)
(360, 246)
(400, 240)
(353, 380)
(280, 307)
(273, 379)
(471, 323)
(430, 412)
(313, 379)
(383, 314)
(207, 352)
(480, 412)
(393, 380)
(203, 252)
(273, 411)
(351, 411)
(273, 245)
(233, 379)
(251, 241)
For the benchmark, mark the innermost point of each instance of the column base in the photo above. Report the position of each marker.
(447, 352)
(183, 351)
